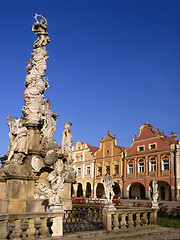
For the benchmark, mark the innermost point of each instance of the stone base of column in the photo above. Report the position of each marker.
(55, 208)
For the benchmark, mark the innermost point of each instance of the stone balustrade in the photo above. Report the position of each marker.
(128, 218)
(31, 225)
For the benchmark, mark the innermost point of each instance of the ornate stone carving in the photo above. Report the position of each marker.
(13, 168)
(41, 191)
(49, 120)
(66, 144)
(51, 157)
(108, 183)
(36, 163)
(18, 135)
(35, 86)
(57, 185)
(155, 194)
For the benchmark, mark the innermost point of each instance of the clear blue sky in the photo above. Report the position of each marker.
(114, 64)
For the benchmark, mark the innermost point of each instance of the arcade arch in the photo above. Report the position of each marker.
(117, 190)
(80, 190)
(100, 190)
(88, 189)
(164, 190)
(136, 191)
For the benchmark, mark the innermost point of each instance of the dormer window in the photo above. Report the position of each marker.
(152, 146)
(140, 148)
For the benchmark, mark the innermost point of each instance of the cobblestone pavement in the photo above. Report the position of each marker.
(154, 233)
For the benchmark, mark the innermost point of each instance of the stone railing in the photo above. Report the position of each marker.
(31, 225)
(128, 218)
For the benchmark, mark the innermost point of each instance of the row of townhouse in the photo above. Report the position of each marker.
(152, 155)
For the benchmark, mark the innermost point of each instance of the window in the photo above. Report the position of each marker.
(130, 169)
(108, 170)
(153, 166)
(88, 170)
(78, 171)
(152, 146)
(76, 159)
(81, 158)
(165, 164)
(141, 148)
(99, 171)
(116, 169)
(141, 167)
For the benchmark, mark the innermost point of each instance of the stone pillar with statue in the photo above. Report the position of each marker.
(36, 172)
(155, 195)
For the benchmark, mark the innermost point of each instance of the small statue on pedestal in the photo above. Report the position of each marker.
(155, 194)
(108, 183)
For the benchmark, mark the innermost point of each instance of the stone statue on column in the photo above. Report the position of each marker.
(66, 143)
(108, 187)
(155, 194)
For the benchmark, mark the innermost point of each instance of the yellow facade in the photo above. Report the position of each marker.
(84, 161)
(109, 161)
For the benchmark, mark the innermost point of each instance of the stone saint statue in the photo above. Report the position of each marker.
(57, 185)
(108, 183)
(49, 120)
(18, 135)
(155, 194)
(66, 143)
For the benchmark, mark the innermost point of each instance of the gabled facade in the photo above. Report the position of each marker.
(83, 164)
(109, 161)
(151, 156)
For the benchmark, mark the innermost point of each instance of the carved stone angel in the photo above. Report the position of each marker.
(41, 30)
(57, 185)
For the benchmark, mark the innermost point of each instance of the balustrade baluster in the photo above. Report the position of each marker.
(31, 229)
(116, 222)
(43, 229)
(123, 221)
(144, 220)
(3, 229)
(155, 217)
(151, 220)
(130, 220)
(138, 220)
(17, 229)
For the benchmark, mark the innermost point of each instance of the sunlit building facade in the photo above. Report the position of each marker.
(152, 155)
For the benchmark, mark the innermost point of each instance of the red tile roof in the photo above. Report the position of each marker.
(93, 149)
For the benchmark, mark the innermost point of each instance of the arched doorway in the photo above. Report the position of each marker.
(137, 191)
(164, 190)
(100, 190)
(80, 190)
(117, 190)
(88, 189)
